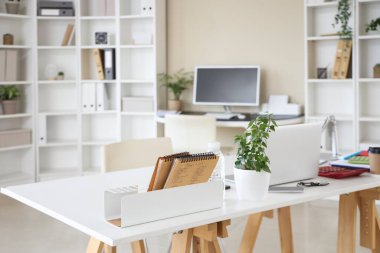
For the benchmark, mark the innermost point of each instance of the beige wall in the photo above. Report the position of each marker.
(268, 33)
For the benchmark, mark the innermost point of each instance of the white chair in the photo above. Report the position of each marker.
(190, 133)
(134, 154)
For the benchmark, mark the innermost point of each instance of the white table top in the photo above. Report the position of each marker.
(78, 202)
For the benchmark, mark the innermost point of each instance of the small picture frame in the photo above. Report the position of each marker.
(322, 73)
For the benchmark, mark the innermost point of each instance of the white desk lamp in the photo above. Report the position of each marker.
(330, 126)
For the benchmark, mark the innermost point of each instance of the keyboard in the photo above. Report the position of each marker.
(224, 116)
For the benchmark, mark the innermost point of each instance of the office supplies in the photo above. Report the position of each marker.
(147, 7)
(55, 8)
(347, 165)
(279, 105)
(2, 65)
(89, 97)
(102, 100)
(191, 169)
(42, 124)
(112, 200)
(162, 170)
(342, 59)
(313, 183)
(352, 155)
(286, 189)
(11, 65)
(374, 159)
(109, 64)
(68, 34)
(301, 141)
(98, 55)
(338, 173)
(359, 160)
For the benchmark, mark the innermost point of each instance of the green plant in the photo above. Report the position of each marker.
(343, 17)
(377, 65)
(372, 26)
(177, 82)
(253, 143)
(61, 73)
(9, 92)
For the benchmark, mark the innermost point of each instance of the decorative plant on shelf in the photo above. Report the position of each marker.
(9, 95)
(376, 71)
(252, 172)
(372, 26)
(176, 83)
(343, 17)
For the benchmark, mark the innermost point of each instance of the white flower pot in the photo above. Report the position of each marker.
(251, 185)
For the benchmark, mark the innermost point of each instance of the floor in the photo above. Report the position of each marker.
(23, 229)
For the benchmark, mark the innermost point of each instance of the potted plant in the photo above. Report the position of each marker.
(60, 76)
(376, 71)
(12, 6)
(252, 172)
(372, 26)
(343, 17)
(176, 83)
(9, 95)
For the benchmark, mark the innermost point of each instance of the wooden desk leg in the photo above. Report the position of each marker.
(250, 233)
(138, 246)
(181, 242)
(348, 204)
(109, 249)
(94, 246)
(205, 238)
(285, 225)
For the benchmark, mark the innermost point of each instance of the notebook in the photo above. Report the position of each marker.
(191, 169)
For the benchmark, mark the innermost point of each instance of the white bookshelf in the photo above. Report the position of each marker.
(353, 100)
(18, 162)
(73, 137)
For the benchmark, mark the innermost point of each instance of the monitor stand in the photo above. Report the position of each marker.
(227, 114)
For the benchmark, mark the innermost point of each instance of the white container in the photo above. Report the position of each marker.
(15, 137)
(138, 104)
(251, 185)
(142, 38)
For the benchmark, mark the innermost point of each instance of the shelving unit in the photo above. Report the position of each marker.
(18, 162)
(353, 100)
(73, 138)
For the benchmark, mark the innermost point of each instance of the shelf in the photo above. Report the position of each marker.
(365, 144)
(56, 81)
(14, 47)
(136, 17)
(369, 80)
(98, 81)
(337, 117)
(369, 119)
(15, 178)
(98, 143)
(55, 47)
(137, 81)
(138, 114)
(326, 4)
(100, 112)
(55, 18)
(369, 37)
(14, 16)
(50, 174)
(58, 143)
(14, 116)
(68, 113)
(317, 38)
(368, 1)
(16, 83)
(16, 148)
(348, 81)
(97, 17)
(98, 46)
(136, 46)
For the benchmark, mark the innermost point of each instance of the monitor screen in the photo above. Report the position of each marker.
(227, 85)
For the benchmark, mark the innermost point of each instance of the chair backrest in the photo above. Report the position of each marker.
(134, 153)
(190, 133)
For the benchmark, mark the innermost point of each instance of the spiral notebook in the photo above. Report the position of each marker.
(191, 169)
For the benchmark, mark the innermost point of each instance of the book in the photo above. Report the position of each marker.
(98, 55)
(347, 165)
(192, 169)
(68, 34)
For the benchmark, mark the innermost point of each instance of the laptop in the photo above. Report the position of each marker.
(294, 153)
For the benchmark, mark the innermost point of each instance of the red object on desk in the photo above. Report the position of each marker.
(364, 153)
(338, 173)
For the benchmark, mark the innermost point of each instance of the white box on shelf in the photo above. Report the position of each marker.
(147, 8)
(138, 104)
(15, 137)
(101, 97)
(42, 124)
(88, 97)
(162, 204)
(142, 38)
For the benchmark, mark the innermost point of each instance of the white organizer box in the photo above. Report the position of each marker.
(138, 104)
(126, 203)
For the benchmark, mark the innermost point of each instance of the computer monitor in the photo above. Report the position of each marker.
(227, 85)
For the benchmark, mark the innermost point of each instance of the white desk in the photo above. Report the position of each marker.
(78, 202)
